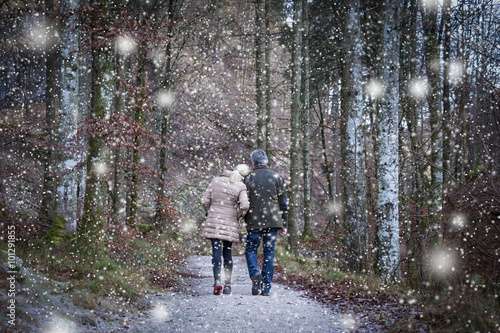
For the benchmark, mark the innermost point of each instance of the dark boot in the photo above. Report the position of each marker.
(227, 289)
(257, 284)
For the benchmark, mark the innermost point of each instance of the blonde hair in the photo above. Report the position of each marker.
(240, 171)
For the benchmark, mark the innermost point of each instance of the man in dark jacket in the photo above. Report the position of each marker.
(266, 218)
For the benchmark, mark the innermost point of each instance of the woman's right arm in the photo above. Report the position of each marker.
(244, 203)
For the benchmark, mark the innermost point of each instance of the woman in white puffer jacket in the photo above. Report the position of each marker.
(225, 202)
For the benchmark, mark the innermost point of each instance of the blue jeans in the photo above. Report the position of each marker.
(222, 249)
(269, 237)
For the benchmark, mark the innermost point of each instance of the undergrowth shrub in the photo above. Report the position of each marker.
(133, 262)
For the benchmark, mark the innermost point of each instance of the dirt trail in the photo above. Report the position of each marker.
(195, 309)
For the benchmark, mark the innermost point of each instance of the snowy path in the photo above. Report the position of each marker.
(195, 309)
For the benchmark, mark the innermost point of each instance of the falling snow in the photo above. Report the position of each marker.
(114, 118)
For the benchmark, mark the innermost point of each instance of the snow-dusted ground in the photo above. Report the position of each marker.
(195, 309)
(192, 308)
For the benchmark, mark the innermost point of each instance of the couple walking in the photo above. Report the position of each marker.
(259, 196)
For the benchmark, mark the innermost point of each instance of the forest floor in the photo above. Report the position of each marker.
(190, 306)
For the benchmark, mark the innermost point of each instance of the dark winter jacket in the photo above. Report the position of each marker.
(268, 202)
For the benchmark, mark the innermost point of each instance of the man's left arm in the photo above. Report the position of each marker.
(283, 202)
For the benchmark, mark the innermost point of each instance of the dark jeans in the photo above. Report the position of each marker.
(268, 237)
(222, 249)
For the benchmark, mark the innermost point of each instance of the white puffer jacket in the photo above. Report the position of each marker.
(225, 202)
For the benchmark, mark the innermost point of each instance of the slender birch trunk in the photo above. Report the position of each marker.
(69, 120)
(387, 220)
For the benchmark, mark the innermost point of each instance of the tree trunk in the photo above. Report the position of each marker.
(164, 111)
(353, 148)
(447, 118)
(267, 66)
(84, 101)
(324, 149)
(294, 191)
(120, 187)
(306, 123)
(446, 33)
(416, 169)
(101, 105)
(138, 118)
(387, 220)
(406, 174)
(433, 72)
(332, 215)
(69, 119)
(259, 73)
(47, 208)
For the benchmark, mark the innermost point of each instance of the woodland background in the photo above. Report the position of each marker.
(384, 117)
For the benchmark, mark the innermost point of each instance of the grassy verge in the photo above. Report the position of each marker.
(96, 292)
(470, 307)
(362, 300)
(462, 308)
